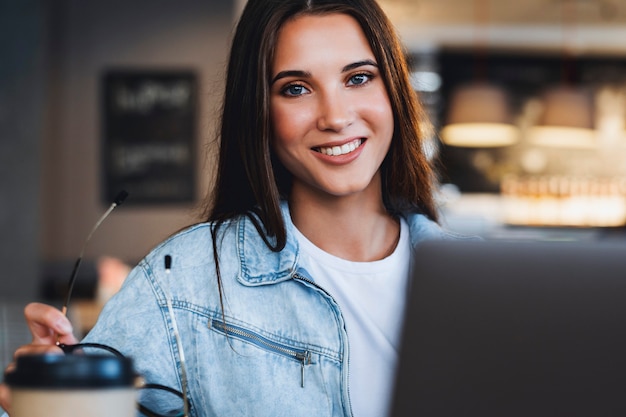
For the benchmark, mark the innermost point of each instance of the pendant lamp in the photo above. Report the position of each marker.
(478, 112)
(479, 116)
(567, 117)
(566, 120)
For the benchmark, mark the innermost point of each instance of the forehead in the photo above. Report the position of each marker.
(309, 38)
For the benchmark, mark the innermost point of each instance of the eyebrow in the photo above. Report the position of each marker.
(359, 64)
(290, 73)
(307, 74)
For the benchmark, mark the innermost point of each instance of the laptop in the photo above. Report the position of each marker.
(514, 329)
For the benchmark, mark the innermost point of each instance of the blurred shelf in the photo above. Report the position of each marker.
(486, 215)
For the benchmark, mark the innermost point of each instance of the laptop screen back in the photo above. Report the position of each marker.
(514, 329)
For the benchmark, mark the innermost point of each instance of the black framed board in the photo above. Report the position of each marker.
(149, 135)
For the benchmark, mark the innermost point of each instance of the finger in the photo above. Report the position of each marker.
(46, 323)
(36, 350)
(5, 398)
(10, 368)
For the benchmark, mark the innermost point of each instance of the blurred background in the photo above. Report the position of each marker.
(527, 102)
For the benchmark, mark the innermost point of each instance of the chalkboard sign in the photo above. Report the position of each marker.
(149, 135)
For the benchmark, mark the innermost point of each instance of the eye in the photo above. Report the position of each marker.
(294, 90)
(358, 79)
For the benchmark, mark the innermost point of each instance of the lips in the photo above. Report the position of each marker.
(344, 149)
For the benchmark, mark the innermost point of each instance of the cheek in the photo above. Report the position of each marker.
(280, 126)
(380, 113)
(289, 124)
(284, 133)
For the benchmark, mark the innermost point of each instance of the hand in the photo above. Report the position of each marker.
(47, 326)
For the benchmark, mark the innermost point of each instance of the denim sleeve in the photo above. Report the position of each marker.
(135, 323)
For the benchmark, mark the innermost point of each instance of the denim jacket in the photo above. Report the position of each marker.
(287, 350)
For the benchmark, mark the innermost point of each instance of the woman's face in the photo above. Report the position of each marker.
(331, 116)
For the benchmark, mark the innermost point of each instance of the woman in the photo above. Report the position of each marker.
(288, 300)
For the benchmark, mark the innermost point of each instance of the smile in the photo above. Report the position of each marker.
(340, 150)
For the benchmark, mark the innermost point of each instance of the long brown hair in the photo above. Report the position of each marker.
(250, 180)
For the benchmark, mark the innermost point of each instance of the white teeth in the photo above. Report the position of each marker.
(341, 150)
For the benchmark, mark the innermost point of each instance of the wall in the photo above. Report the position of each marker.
(51, 57)
(22, 26)
(92, 36)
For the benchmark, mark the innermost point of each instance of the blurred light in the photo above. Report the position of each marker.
(566, 119)
(427, 81)
(479, 116)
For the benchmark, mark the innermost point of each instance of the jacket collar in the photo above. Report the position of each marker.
(260, 265)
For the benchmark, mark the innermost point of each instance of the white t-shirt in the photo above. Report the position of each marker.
(371, 296)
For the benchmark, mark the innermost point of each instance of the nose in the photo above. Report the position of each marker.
(335, 111)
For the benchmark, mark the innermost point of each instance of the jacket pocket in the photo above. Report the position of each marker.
(302, 356)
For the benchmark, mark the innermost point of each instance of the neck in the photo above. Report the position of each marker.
(355, 227)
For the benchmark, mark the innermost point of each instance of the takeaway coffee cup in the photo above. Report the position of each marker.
(72, 386)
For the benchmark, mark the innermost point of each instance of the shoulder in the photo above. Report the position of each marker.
(422, 228)
(238, 244)
(192, 245)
